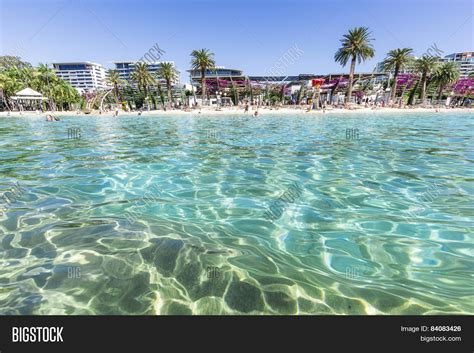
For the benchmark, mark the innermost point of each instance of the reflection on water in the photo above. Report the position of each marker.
(362, 236)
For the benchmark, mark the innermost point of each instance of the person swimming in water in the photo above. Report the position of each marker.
(51, 117)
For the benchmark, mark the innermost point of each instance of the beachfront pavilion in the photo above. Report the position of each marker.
(331, 91)
(335, 85)
(221, 82)
(227, 82)
(28, 99)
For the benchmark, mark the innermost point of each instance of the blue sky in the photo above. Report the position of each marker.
(249, 35)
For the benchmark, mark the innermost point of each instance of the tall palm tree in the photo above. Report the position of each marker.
(170, 74)
(202, 60)
(446, 74)
(356, 47)
(142, 77)
(396, 60)
(47, 77)
(113, 78)
(160, 92)
(426, 65)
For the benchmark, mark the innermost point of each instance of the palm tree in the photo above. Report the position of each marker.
(64, 93)
(396, 60)
(202, 60)
(446, 74)
(10, 83)
(42, 79)
(160, 92)
(27, 75)
(170, 74)
(46, 78)
(142, 77)
(355, 47)
(5, 83)
(113, 77)
(426, 65)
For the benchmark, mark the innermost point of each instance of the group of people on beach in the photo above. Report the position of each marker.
(255, 109)
(246, 110)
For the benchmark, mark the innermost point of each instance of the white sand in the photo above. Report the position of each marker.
(240, 111)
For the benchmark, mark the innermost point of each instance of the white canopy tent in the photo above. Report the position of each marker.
(29, 97)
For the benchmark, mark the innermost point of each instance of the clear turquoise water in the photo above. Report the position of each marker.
(383, 224)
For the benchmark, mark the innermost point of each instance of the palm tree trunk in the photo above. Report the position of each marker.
(4, 99)
(440, 92)
(193, 89)
(162, 97)
(423, 88)
(351, 79)
(411, 96)
(170, 96)
(393, 93)
(203, 89)
(116, 93)
(49, 95)
(145, 92)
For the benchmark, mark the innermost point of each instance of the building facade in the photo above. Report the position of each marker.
(83, 76)
(219, 72)
(464, 60)
(125, 69)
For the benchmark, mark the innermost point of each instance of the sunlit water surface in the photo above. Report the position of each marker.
(383, 223)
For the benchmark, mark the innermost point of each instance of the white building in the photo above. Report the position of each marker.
(125, 68)
(464, 60)
(83, 75)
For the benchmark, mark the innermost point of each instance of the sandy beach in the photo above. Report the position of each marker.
(240, 111)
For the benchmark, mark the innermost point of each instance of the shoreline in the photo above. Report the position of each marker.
(240, 111)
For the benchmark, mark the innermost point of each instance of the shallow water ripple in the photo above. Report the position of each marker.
(383, 225)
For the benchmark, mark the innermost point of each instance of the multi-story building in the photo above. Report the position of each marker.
(218, 72)
(125, 68)
(464, 60)
(84, 75)
(379, 67)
